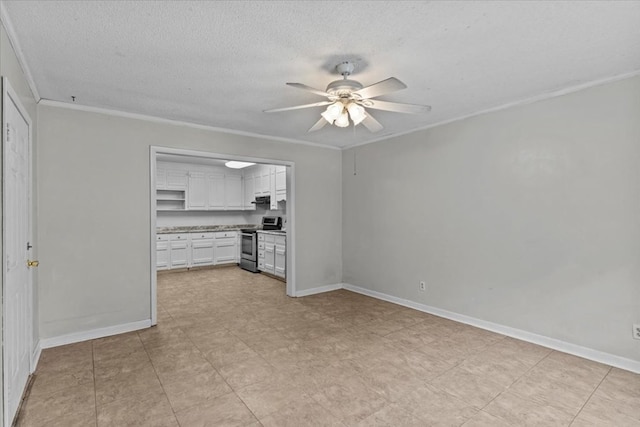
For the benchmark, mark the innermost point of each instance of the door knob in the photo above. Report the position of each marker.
(32, 263)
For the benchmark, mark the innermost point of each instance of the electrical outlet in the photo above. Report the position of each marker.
(423, 286)
(636, 331)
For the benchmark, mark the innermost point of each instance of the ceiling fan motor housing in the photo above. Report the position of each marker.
(344, 87)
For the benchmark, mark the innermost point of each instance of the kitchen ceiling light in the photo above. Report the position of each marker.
(233, 164)
(356, 112)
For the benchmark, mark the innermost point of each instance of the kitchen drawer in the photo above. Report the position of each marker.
(260, 237)
(261, 253)
(198, 236)
(260, 245)
(260, 264)
(280, 240)
(162, 237)
(181, 236)
(226, 234)
(269, 238)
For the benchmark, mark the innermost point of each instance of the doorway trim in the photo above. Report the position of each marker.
(291, 223)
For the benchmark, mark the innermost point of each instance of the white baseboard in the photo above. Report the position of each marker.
(319, 290)
(93, 334)
(555, 344)
(35, 356)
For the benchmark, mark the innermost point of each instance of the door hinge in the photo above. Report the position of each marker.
(29, 246)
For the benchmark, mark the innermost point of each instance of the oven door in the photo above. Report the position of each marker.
(248, 244)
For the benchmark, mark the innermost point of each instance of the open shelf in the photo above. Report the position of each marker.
(170, 200)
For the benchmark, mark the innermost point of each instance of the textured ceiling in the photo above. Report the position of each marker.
(220, 63)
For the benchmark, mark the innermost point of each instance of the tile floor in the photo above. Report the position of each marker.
(231, 349)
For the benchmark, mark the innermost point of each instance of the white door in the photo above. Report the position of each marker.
(17, 298)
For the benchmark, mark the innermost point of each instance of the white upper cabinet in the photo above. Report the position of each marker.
(249, 191)
(199, 187)
(268, 180)
(161, 176)
(280, 183)
(234, 197)
(216, 191)
(281, 178)
(263, 180)
(176, 179)
(171, 176)
(197, 193)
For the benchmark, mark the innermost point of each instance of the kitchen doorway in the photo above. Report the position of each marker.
(179, 200)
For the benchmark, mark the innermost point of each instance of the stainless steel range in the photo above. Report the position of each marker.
(249, 244)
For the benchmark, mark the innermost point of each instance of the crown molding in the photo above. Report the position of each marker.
(13, 39)
(531, 100)
(154, 119)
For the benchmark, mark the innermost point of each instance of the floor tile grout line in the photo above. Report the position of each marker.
(95, 389)
(214, 368)
(591, 395)
(512, 383)
(158, 377)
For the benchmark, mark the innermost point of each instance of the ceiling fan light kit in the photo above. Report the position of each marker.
(347, 100)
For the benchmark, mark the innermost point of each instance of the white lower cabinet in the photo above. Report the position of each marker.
(162, 252)
(280, 256)
(185, 250)
(201, 249)
(179, 250)
(226, 247)
(272, 254)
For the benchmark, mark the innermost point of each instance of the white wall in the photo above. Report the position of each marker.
(94, 212)
(528, 217)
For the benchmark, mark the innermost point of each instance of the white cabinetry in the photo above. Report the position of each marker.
(161, 176)
(234, 197)
(272, 253)
(179, 250)
(281, 183)
(261, 245)
(176, 179)
(201, 249)
(216, 191)
(171, 186)
(183, 186)
(185, 250)
(162, 252)
(197, 194)
(263, 180)
(226, 247)
(268, 180)
(248, 191)
(280, 256)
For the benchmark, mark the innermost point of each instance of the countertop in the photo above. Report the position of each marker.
(205, 228)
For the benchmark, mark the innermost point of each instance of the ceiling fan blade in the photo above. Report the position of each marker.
(298, 107)
(396, 106)
(319, 125)
(385, 86)
(372, 124)
(308, 89)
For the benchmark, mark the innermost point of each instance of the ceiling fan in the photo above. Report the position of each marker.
(349, 99)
